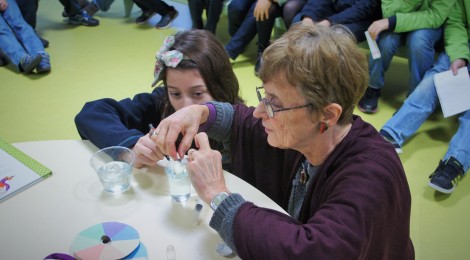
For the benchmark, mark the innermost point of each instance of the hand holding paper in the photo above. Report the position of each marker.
(374, 49)
(453, 91)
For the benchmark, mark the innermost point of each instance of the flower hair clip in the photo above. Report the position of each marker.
(166, 58)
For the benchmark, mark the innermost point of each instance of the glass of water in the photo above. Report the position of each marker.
(178, 180)
(114, 167)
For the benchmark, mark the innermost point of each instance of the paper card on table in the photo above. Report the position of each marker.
(374, 49)
(18, 171)
(453, 91)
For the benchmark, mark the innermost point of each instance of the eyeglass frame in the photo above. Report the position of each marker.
(269, 107)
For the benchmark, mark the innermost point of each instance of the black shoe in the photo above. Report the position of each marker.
(390, 139)
(144, 17)
(166, 20)
(83, 18)
(446, 176)
(258, 62)
(65, 14)
(3, 60)
(29, 63)
(369, 102)
(45, 65)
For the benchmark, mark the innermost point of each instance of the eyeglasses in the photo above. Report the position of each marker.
(269, 108)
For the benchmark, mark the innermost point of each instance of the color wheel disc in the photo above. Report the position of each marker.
(140, 253)
(108, 240)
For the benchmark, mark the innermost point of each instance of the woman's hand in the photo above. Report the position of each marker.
(205, 169)
(146, 152)
(377, 27)
(185, 121)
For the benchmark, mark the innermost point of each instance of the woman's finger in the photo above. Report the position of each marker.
(202, 141)
(190, 154)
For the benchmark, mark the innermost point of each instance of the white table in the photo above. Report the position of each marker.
(46, 218)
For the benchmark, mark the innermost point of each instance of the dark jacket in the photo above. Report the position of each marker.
(107, 122)
(356, 15)
(342, 11)
(357, 208)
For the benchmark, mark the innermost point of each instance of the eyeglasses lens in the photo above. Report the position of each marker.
(267, 104)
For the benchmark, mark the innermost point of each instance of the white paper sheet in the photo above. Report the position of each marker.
(374, 49)
(453, 91)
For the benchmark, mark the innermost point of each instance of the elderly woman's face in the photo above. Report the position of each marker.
(186, 87)
(293, 128)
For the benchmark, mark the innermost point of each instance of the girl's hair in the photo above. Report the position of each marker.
(204, 52)
(325, 64)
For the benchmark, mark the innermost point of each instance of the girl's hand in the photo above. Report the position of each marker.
(457, 64)
(261, 11)
(185, 121)
(146, 152)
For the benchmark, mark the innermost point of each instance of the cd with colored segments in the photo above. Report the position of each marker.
(140, 253)
(108, 240)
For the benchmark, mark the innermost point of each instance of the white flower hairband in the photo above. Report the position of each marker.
(166, 58)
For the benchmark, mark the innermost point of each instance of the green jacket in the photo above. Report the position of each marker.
(457, 31)
(417, 14)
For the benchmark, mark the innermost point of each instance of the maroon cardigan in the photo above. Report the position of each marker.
(357, 208)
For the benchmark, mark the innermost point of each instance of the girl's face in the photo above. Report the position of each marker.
(186, 87)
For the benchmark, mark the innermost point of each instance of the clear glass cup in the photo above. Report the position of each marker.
(114, 167)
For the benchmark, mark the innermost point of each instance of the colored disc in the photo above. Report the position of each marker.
(140, 253)
(108, 240)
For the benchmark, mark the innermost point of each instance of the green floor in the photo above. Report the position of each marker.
(116, 60)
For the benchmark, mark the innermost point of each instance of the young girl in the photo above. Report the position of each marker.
(193, 68)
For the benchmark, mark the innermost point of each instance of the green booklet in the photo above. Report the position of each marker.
(18, 171)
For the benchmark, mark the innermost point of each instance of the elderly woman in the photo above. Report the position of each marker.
(342, 184)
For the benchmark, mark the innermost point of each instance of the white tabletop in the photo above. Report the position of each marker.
(47, 217)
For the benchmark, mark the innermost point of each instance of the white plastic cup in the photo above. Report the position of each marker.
(178, 180)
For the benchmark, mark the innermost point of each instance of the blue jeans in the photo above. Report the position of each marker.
(417, 108)
(420, 51)
(242, 26)
(17, 38)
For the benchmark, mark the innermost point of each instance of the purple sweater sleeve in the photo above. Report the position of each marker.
(210, 120)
